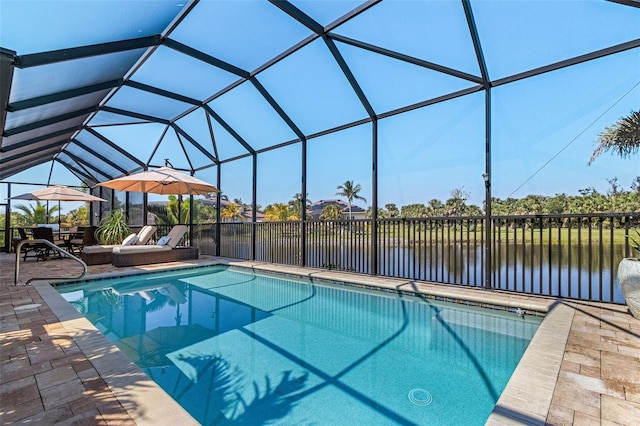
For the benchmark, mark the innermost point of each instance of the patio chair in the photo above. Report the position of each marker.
(99, 254)
(88, 239)
(75, 232)
(43, 251)
(26, 248)
(166, 250)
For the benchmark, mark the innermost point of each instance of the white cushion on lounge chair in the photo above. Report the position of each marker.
(98, 249)
(176, 234)
(145, 234)
(130, 240)
(140, 249)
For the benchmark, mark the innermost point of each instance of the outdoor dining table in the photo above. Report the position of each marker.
(65, 236)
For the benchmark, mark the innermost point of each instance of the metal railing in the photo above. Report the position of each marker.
(52, 246)
(572, 255)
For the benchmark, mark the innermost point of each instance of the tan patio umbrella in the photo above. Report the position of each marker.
(165, 181)
(57, 193)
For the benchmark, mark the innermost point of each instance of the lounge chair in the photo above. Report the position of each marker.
(159, 253)
(99, 254)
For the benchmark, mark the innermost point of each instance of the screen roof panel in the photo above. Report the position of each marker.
(518, 36)
(146, 103)
(325, 12)
(435, 31)
(243, 107)
(95, 174)
(43, 131)
(176, 72)
(137, 139)
(170, 149)
(226, 144)
(243, 33)
(391, 83)
(195, 124)
(105, 118)
(60, 76)
(310, 87)
(24, 153)
(196, 157)
(88, 157)
(64, 24)
(59, 140)
(17, 150)
(26, 162)
(53, 109)
(105, 150)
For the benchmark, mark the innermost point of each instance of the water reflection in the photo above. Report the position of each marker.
(576, 271)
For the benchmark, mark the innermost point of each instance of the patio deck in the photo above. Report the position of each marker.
(582, 367)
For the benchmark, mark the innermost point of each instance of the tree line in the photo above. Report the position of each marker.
(589, 200)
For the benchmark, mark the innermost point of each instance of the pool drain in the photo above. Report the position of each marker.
(420, 397)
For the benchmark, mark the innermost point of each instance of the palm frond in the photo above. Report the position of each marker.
(622, 138)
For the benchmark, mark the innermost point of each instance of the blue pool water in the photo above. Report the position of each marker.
(237, 347)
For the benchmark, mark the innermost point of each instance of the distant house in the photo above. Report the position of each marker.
(211, 201)
(357, 212)
(246, 214)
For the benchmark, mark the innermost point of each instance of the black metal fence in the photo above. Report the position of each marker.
(573, 256)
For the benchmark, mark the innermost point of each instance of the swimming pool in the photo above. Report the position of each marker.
(237, 347)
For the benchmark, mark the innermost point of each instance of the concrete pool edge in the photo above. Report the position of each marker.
(527, 397)
(142, 398)
(147, 403)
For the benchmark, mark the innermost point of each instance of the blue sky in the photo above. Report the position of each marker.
(543, 128)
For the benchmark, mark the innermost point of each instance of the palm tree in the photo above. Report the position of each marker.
(34, 215)
(296, 204)
(168, 214)
(241, 203)
(456, 204)
(203, 213)
(279, 212)
(350, 192)
(231, 212)
(623, 137)
(78, 216)
(331, 212)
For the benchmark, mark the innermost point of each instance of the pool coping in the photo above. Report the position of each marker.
(145, 401)
(525, 399)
